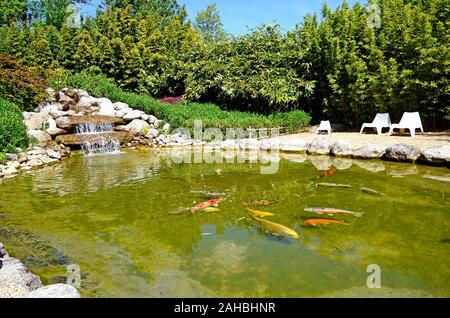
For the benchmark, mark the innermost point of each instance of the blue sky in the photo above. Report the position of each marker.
(237, 15)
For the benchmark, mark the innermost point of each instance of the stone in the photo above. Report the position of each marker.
(341, 148)
(42, 138)
(166, 127)
(80, 94)
(145, 117)
(55, 291)
(120, 106)
(75, 141)
(319, 146)
(369, 152)
(59, 113)
(123, 112)
(157, 123)
(132, 115)
(11, 157)
(86, 101)
(49, 108)
(138, 126)
(152, 133)
(26, 115)
(436, 155)
(35, 122)
(152, 119)
(69, 123)
(403, 153)
(121, 128)
(9, 171)
(106, 108)
(52, 129)
(23, 159)
(34, 162)
(53, 154)
(13, 164)
(294, 146)
(15, 279)
(70, 92)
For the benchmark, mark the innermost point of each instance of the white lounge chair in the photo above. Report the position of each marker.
(381, 121)
(410, 121)
(324, 126)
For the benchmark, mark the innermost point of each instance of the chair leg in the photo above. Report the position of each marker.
(413, 132)
(379, 130)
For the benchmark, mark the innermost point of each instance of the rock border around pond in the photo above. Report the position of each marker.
(17, 282)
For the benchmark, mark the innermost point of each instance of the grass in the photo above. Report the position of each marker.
(182, 115)
(13, 133)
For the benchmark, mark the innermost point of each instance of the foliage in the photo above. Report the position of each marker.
(181, 115)
(333, 66)
(19, 84)
(13, 133)
(209, 24)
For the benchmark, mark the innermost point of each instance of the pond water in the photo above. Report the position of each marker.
(113, 216)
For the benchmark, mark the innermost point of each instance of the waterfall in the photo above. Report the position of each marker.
(93, 128)
(98, 138)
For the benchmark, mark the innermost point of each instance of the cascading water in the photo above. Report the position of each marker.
(98, 139)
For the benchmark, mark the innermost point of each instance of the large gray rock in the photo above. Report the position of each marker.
(42, 138)
(402, 152)
(152, 133)
(120, 106)
(138, 126)
(298, 145)
(369, 152)
(152, 119)
(86, 101)
(123, 112)
(132, 115)
(106, 108)
(35, 122)
(319, 146)
(15, 279)
(436, 155)
(52, 129)
(54, 291)
(341, 148)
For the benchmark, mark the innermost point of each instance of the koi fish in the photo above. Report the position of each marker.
(210, 210)
(332, 211)
(206, 204)
(258, 203)
(316, 222)
(327, 173)
(334, 185)
(275, 228)
(260, 214)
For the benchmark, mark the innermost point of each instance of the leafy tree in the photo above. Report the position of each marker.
(209, 24)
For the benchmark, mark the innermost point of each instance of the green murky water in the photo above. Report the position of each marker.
(110, 215)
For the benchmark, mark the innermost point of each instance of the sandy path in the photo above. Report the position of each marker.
(422, 141)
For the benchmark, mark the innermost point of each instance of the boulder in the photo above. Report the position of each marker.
(341, 148)
(53, 154)
(80, 94)
(86, 101)
(145, 117)
(369, 152)
(15, 279)
(52, 129)
(120, 106)
(294, 146)
(166, 127)
(69, 123)
(123, 112)
(70, 92)
(54, 291)
(436, 155)
(138, 126)
(11, 157)
(132, 115)
(106, 108)
(403, 153)
(34, 162)
(152, 133)
(152, 119)
(35, 122)
(320, 146)
(121, 128)
(42, 137)
(9, 170)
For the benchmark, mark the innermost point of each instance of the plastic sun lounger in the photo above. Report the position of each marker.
(381, 121)
(324, 126)
(410, 121)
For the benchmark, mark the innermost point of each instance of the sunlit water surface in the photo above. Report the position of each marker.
(111, 215)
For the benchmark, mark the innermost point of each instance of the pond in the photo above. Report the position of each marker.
(118, 218)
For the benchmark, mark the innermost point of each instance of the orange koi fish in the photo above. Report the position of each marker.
(327, 173)
(316, 222)
(332, 212)
(206, 204)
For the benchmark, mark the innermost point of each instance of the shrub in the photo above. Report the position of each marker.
(13, 133)
(180, 115)
(19, 84)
